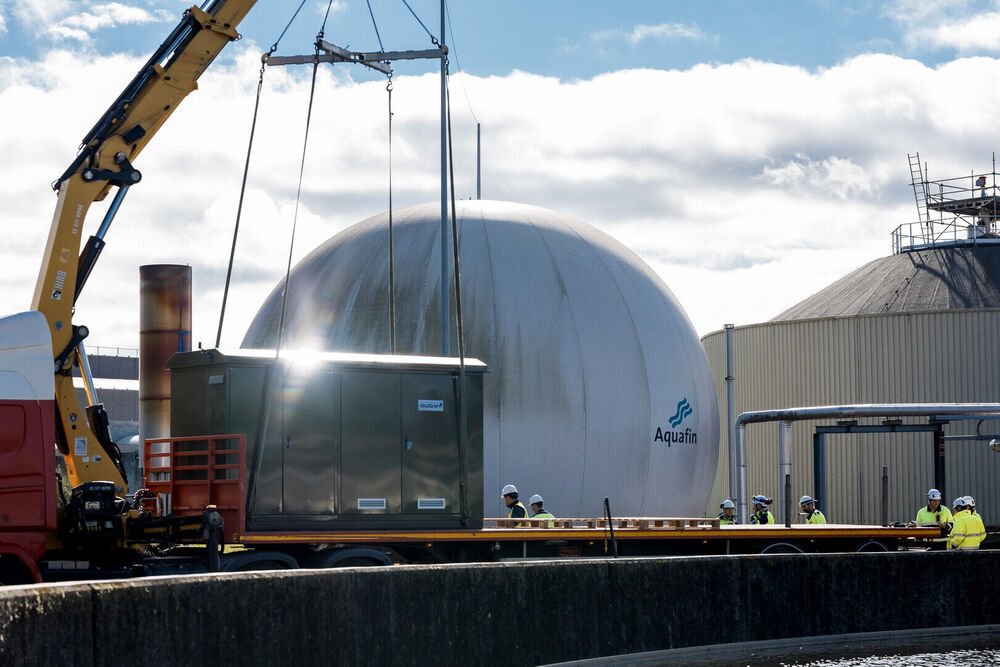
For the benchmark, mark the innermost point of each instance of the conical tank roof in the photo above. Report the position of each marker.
(935, 279)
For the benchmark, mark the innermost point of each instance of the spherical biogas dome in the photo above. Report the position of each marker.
(597, 386)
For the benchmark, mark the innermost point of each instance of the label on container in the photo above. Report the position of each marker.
(427, 405)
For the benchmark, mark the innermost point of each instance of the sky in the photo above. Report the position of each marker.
(750, 152)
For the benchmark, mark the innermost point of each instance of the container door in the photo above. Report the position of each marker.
(309, 444)
(246, 403)
(370, 443)
(430, 445)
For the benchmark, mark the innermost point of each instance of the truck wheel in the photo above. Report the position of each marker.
(263, 565)
(781, 548)
(356, 562)
(12, 573)
(871, 545)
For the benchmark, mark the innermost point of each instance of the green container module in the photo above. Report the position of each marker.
(350, 441)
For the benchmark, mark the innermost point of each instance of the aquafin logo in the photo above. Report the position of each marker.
(673, 435)
(683, 410)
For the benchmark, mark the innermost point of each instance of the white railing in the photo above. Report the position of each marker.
(919, 235)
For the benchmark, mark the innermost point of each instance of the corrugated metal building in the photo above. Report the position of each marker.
(918, 326)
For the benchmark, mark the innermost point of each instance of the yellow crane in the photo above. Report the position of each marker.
(105, 161)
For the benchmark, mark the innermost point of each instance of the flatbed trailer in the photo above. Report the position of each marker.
(204, 489)
(325, 549)
(594, 538)
(223, 485)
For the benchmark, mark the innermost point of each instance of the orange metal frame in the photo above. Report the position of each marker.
(190, 497)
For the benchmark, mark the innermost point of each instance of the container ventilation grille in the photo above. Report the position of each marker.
(371, 503)
(430, 503)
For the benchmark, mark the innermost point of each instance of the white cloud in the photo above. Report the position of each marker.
(662, 31)
(66, 32)
(666, 31)
(3, 21)
(107, 16)
(747, 186)
(966, 26)
(835, 175)
(35, 13)
(77, 20)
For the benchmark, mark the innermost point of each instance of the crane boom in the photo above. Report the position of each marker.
(105, 160)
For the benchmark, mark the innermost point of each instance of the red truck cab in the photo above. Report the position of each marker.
(27, 446)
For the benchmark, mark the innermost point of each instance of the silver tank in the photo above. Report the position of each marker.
(597, 385)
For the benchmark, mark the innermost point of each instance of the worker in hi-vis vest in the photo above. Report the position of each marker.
(515, 508)
(539, 512)
(813, 515)
(727, 516)
(934, 514)
(967, 530)
(761, 515)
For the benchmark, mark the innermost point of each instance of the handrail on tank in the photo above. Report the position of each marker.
(969, 210)
(785, 416)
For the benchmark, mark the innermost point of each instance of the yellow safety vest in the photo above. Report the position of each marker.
(816, 517)
(545, 514)
(967, 532)
(510, 510)
(925, 517)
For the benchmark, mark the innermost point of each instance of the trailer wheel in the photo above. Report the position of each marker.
(351, 557)
(249, 561)
(871, 545)
(781, 548)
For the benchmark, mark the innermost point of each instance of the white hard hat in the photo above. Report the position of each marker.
(806, 499)
(934, 494)
(728, 504)
(535, 499)
(970, 501)
(507, 490)
(761, 500)
(960, 501)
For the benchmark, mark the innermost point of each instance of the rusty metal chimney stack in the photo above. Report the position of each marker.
(164, 328)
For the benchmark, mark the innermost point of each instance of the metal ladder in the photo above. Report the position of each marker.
(919, 185)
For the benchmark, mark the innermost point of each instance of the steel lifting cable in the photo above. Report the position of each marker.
(462, 457)
(264, 417)
(295, 215)
(453, 51)
(298, 191)
(392, 288)
(434, 39)
(377, 35)
(246, 169)
(322, 28)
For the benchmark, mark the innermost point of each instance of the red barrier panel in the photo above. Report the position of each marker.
(188, 474)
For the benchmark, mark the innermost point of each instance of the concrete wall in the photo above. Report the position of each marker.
(498, 614)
